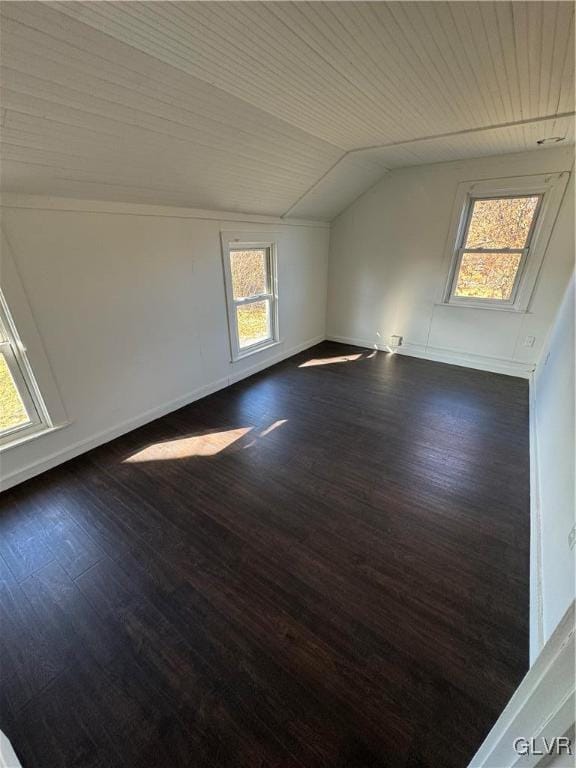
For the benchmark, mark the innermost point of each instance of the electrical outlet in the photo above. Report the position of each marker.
(395, 341)
(572, 537)
(529, 341)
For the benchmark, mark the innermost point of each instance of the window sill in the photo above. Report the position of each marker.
(249, 352)
(32, 436)
(492, 307)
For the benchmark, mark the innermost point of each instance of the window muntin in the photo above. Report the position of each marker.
(493, 248)
(21, 409)
(250, 272)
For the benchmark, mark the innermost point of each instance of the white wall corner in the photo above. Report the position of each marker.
(542, 706)
(440, 355)
(536, 583)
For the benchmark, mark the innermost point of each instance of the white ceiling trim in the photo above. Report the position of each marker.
(74, 205)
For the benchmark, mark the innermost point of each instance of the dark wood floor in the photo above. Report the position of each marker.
(324, 565)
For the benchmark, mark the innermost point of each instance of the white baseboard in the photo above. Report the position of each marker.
(59, 457)
(452, 357)
(277, 358)
(536, 583)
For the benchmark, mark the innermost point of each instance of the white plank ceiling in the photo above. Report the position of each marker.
(271, 107)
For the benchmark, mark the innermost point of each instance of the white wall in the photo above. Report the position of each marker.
(387, 265)
(553, 494)
(129, 303)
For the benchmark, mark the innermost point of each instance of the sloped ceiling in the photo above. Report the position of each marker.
(271, 107)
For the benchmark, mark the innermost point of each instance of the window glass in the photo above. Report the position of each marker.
(250, 277)
(253, 321)
(487, 275)
(501, 222)
(249, 270)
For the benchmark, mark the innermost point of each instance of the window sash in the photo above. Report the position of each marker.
(268, 263)
(265, 341)
(472, 199)
(270, 296)
(461, 250)
(24, 380)
(479, 299)
(34, 418)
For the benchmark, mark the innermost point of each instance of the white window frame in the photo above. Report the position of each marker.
(15, 355)
(550, 189)
(242, 243)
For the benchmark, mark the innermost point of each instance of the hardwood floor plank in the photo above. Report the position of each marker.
(23, 543)
(29, 661)
(323, 566)
(71, 621)
(203, 694)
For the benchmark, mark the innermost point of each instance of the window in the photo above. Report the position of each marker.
(250, 277)
(500, 240)
(21, 409)
(494, 247)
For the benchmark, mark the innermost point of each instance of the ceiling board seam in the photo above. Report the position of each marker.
(450, 43)
(297, 33)
(359, 73)
(278, 137)
(421, 52)
(250, 106)
(148, 25)
(305, 102)
(566, 56)
(203, 80)
(491, 57)
(406, 70)
(216, 87)
(362, 26)
(505, 57)
(72, 104)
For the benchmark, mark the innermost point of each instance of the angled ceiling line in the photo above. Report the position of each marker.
(385, 169)
(464, 131)
(315, 184)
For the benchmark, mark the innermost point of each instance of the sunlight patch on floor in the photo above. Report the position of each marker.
(330, 360)
(272, 427)
(185, 447)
